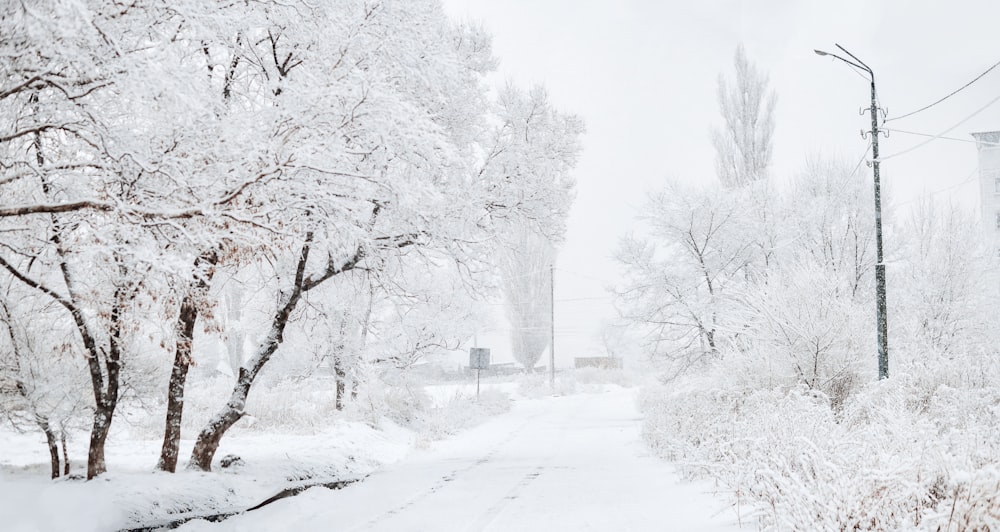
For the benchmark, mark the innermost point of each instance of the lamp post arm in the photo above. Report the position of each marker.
(863, 65)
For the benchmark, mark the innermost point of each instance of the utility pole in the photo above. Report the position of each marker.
(880, 306)
(882, 327)
(552, 326)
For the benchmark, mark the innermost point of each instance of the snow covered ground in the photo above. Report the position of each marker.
(557, 463)
(571, 462)
(131, 495)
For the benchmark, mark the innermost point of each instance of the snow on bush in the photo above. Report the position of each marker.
(896, 456)
(460, 412)
(408, 404)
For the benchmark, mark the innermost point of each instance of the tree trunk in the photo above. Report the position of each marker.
(362, 347)
(210, 436)
(62, 439)
(341, 377)
(182, 360)
(175, 411)
(234, 327)
(107, 397)
(53, 443)
(340, 374)
(98, 435)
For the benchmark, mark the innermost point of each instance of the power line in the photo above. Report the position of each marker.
(583, 275)
(863, 155)
(943, 133)
(595, 298)
(545, 273)
(941, 137)
(968, 178)
(956, 91)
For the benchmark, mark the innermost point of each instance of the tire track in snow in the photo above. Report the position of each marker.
(486, 519)
(450, 477)
(491, 513)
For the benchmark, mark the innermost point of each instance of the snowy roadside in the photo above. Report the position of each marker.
(132, 496)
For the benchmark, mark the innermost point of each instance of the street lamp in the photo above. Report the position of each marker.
(880, 310)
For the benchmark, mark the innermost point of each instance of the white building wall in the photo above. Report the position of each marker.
(989, 181)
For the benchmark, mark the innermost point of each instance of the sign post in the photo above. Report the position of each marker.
(479, 359)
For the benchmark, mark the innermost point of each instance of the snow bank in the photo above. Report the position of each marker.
(131, 496)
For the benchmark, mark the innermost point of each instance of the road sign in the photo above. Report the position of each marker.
(479, 358)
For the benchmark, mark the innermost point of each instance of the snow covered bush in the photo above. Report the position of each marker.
(462, 411)
(790, 418)
(895, 456)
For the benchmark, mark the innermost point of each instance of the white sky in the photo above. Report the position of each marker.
(642, 74)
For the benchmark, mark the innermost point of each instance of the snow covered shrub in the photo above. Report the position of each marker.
(401, 404)
(895, 456)
(461, 412)
(975, 502)
(293, 406)
(412, 407)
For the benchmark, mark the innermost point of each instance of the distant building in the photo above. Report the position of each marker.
(988, 143)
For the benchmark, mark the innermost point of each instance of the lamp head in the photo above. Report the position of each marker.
(820, 52)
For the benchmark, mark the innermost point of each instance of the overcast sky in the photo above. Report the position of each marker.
(642, 74)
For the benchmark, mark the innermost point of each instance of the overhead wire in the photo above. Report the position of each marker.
(905, 132)
(949, 95)
(584, 275)
(861, 160)
(968, 178)
(943, 133)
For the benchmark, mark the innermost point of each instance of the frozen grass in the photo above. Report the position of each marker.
(898, 454)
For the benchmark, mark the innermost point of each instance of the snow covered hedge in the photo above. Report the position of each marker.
(900, 454)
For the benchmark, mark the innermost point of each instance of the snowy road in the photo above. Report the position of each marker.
(568, 463)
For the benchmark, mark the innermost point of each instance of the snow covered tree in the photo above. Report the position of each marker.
(148, 149)
(810, 319)
(684, 282)
(81, 162)
(115, 151)
(386, 145)
(40, 379)
(528, 161)
(946, 295)
(743, 143)
(687, 280)
(525, 280)
(715, 280)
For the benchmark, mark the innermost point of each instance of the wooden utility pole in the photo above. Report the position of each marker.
(552, 326)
